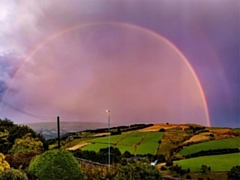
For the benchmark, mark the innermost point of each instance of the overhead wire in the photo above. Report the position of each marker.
(25, 112)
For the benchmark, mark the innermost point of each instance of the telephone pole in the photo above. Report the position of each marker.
(58, 130)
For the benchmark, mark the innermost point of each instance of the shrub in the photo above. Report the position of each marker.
(13, 174)
(163, 168)
(56, 164)
(21, 160)
(234, 173)
(3, 163)
(162, 130)
(137, 171)
(169, 163)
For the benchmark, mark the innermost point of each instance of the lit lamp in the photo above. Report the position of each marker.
(108, 111)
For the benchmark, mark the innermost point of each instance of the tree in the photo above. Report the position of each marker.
(234, 173)
(3, 163)
(27, 144)
(56, 164)
(9, 132)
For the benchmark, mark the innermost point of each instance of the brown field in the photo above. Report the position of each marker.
(157, 127)
(101, 134)
(224, 133)
(198, 138)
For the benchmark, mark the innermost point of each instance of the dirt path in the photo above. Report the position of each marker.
(137, 144)
(80, 145)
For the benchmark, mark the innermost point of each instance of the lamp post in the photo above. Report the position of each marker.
(108, 111)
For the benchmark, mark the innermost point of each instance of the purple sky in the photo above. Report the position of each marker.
(121, 56)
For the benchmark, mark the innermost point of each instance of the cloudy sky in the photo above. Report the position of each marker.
(147, 61)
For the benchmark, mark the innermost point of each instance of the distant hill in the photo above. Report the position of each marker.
(49, 129)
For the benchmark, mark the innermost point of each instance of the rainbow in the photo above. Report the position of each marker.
(135, 27)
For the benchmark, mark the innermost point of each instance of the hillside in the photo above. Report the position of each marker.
(49, 129)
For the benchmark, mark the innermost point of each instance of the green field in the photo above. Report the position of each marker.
(94, 147)
(216, 162)
(150, 143)
(215, 144)
(237, 129)
(132, 138)
(113, 139)
(141, 142)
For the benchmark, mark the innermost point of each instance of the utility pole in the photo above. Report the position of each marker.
(58, 129)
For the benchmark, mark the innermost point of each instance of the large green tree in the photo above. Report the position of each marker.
(9, 132)
(56, 164)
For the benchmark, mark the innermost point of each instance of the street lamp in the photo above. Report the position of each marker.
(108, 111)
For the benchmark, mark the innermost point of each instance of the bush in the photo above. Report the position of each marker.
(56, 164)
(13, 174)
(234, 173)
(21, 160)
(137, 171)
(162, 130)
(3, 163)
(169, 163)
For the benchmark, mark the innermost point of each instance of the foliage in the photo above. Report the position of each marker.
(234, 173)
(13, 174)
(134, 171)
(10, 132)
(213, 152)
(137, 171)
(21, 160)
(169, 162)
(56, 164)
(205, 169)
(101, 156)
(178, 169)
(27, 144)
(121, 128)
(3, 163)
(162, 130)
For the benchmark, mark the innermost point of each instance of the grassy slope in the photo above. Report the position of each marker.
(144, 142)
(216, 162)
(215, 144)
(150, 143)
(113, 139)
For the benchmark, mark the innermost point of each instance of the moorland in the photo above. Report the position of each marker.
(168, 151)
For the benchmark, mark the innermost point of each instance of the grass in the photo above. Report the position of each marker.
(217, 162)
(94, 147)
(113, 139)
(124, 148)
(150, 143)
(132, 138)
(237, 130)
(215, 144)
(143, 142)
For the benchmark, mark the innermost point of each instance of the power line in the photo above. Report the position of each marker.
(25, 112)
